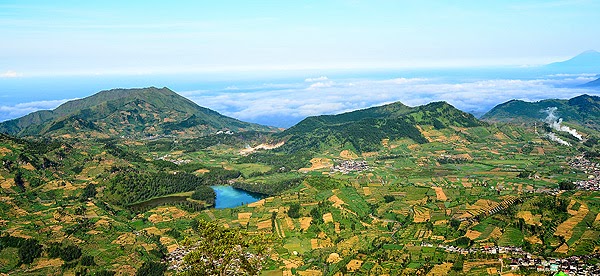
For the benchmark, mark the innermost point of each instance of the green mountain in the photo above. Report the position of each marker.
(127, 112)
(583, 110)
(363, 130)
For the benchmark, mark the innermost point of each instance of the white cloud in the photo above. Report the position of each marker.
(10, 74)
(321, 78)
(317, 85)
(22, 109)
(291, 104)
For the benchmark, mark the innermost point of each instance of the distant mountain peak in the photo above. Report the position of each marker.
(589, 52)
(589, 59)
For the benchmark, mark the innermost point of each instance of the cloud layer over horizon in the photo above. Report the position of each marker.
(284, 104)
(322, 95)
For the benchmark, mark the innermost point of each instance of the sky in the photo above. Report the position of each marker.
(276, 62)
(138, 37)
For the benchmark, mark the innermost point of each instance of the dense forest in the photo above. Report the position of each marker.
(128, 187)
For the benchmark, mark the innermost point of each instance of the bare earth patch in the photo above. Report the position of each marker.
(305, 222)
(257, 204)
(346, 154)
(367, 191)
(472, 234)
(247, 151)
(441, 269)
(327, 217)
(244, 218)
(439, 193)
(265, 224)
(317, 164)
(354, 265)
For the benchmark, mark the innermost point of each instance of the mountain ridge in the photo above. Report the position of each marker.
(127, 112)
(583, 110)
(363, 130)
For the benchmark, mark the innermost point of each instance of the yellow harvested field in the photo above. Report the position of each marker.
(564, 248)
(305, 222)
(441, 269)
(465, 182)
(153, 231)
(244, 218)
(127, 238)
(45, 262)
(496, 233)
(337, 202)
(533, 240)
(565, 229)
(318, 243)
(7, 183)
(337, 227)
(529, 218)
(327, 217)
(472, 234)
(439, 193)
(367, 191)
(257, 204)
(421, 215)
(290, 223)
(354, 265)
(202, 171)
(310, 272)
(265, 224)
(346, 154)
(317, 164)
(4, 151)
(154, 218)
(334, 258)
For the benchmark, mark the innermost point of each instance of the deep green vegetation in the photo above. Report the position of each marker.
(126, 112)
(127, 187)
(583, 110)
(434, 176)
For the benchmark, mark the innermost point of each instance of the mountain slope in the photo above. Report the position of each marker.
(126, 112)
(583, 110)
(363, 130)
(594, 83)
(587, 60)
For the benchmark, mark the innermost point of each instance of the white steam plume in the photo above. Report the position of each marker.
(557, 139)
(556, 123)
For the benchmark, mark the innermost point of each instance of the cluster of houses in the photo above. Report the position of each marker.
(175, 258)
(513, 250)
(174, 161)
(347, 166)
(574, 265)
(592, 169)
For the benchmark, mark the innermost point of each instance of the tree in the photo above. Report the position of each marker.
(29, 250)
(70, 252)
(194, 224)
(152, 269)
(88, 192)
(294, 211)
(388, 198)
(223, 251)
(566, 185)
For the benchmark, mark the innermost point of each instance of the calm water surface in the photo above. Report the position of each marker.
(229, 197)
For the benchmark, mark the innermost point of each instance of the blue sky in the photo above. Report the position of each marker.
(133, 37)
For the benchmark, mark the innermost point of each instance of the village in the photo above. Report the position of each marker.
(347, 166)
(591, 169)
(521, 260)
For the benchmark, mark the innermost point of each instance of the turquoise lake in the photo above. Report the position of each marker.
(229, 197)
